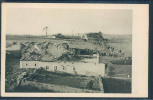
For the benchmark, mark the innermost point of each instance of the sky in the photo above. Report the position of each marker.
(31, 21)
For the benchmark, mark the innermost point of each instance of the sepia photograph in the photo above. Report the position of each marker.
(68, 49)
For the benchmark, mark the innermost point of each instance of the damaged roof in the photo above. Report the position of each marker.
(44, 51)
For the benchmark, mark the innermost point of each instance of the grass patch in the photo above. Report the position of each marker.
(77, 81)
(14, 54)
(123, 71)
(12, 72)
(113, 85)
(30, 88)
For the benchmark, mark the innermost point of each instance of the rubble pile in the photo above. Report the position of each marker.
(44, 51)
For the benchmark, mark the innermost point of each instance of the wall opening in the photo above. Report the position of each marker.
(47, 67)
(74, 68)
(64, 67)
(106, 65)
(55, 67)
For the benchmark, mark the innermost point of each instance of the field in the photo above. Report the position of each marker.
(30, 88)
(120, 68)
(125, 47)
(122, 71)
(113, 85)
(121, 42)
(63, 79)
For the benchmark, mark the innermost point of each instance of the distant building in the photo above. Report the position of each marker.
(52, 36)
(84, 37)
(93, 37)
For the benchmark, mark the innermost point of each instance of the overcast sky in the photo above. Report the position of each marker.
(68, 21)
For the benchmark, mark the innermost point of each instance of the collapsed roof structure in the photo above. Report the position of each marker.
(44, 51)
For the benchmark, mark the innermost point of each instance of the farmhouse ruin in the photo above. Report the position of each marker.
(58, 57)
(69, 57)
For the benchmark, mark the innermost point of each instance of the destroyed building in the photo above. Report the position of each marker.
(57, 57)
